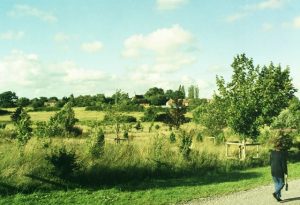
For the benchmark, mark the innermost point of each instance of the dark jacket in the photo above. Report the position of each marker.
(278, 161)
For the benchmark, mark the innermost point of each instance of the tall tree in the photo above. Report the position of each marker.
(8, 99)
(254, 96)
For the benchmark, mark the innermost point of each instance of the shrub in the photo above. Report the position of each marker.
(15, 116)
(23, 127)
(63, 161)
(63, 122)
(199, 137)
(97, 143)
(185, 143)
(125, 134)
(2, 125)
(138, 126)
(4, 112)
(172, 137)
(157, 127)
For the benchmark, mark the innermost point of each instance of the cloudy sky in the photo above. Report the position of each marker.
(59, 47)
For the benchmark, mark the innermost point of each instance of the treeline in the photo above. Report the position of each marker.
(154, 96)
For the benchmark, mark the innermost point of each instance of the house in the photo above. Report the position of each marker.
(171, 102)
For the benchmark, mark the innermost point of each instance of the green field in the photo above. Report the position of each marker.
(148, 169)
(154, 191)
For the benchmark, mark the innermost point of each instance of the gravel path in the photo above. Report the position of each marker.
(258, 196)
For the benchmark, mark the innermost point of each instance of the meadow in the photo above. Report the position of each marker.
(148, 168)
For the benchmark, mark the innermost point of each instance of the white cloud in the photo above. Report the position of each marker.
(92, 47)
(236, 16)
(170, 4)
(61, 37)
(12, 35)
(296, 22)
(267, 27)
(250, 9)
(26, 10)
(164, 50)
(28, 75)
(269, 4)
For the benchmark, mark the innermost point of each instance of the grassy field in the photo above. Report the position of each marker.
(146, 170)
(154, 191)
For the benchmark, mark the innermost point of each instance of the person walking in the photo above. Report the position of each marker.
(278, 161)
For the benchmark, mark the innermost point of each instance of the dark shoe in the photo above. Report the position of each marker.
(274, 195)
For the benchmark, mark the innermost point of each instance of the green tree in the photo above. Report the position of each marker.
(23, 102)
(175, 114)
(212, 115)
(248, 97)
(156, 96)
(23, 127)
(8, 99)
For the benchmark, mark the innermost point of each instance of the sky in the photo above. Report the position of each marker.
(63, 47)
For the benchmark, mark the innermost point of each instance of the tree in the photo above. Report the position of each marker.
(8, 99)
(181, 89)
(23, 102)
(175, 114)
(212, 115)
(156, 96)
(289, 117)
(193, 92)
(249, 97)
(23, 127)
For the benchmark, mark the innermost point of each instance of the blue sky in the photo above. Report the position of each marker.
(59, 47)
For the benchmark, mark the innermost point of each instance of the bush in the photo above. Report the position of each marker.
(199, 137)
(172, 137)
(63, 161)
(23, 127)
(4, 112)
(185, 143)
(157, 127)
(138, 126)
(97, 143)
(2, 125)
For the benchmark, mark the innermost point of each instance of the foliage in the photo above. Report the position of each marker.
(23, 128)
(8, 99)
(23, 102)
(212, 115)
(289, 117)
(155, 96)
(138, 126)
(97, 143)
(199, 137)
(193, 92)
(150, 114)
(16, 115)
(186, 139)
(2, 125)
(4, 112)
(254, 96)
(63, 161)
(63, 122)
(172, 137)
(175, 114)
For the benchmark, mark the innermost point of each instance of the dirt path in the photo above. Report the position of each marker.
(258, 196)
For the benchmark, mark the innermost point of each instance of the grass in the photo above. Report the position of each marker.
(154, 191)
